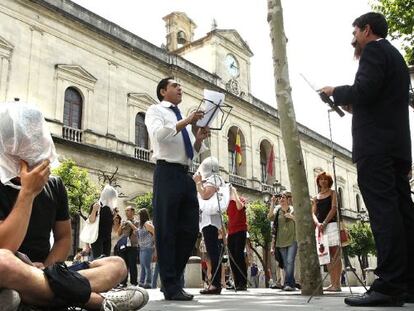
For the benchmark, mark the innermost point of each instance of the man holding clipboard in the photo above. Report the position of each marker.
(175, 142)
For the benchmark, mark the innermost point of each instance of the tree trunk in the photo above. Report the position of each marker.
(310, 270)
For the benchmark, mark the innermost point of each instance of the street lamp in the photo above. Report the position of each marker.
(277, 189)
(363, 216)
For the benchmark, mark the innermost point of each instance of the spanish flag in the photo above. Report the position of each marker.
(269, 167)
(237, 149)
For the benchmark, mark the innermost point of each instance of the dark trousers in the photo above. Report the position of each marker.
(236, 244)
(130, 257)
(101, 247)
(176, 222)
(384, 185)
(210, 234)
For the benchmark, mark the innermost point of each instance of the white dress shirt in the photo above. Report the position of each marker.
(167, 144)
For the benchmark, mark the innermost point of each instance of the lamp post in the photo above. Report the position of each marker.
(276, 190)
(363, 216)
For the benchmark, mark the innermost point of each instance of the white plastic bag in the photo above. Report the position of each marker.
(24, 135)
(322, 247)
(90, 231)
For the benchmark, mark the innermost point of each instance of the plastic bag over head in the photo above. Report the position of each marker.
(108, 197)
(210, 171)
(24, 135)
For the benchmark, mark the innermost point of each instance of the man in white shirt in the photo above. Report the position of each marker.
(176, 212)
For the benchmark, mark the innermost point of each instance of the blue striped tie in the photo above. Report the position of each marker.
(187, 142)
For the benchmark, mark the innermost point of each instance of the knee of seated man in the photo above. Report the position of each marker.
(116, 264)
(120, 266)
(8, 265)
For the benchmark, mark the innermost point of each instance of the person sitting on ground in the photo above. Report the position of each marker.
(32, 205)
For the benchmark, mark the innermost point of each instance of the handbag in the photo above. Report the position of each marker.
(344, 235)
(322, 247)
(90, 231)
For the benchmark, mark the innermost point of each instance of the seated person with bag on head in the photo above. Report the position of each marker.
(32, 205)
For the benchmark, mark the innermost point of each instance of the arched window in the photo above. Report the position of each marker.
(232, 155)
(141, 133)
(340, 198)
(358, 203)
(263, 163)
(72, 111)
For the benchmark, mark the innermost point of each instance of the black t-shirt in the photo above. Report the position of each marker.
(49, 206)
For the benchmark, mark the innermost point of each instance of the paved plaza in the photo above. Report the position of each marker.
(259, 299)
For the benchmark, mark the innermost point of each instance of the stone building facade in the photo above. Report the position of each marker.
(94, 81)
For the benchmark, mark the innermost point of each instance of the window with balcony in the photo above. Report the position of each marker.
(340, 198)
(358, 203)
(72, 113)
(141, 133)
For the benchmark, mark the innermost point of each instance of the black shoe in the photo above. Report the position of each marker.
(241, 288)
(374, 299)
(276, 286)
(187, 294)
(230, 287)
(179, 296)
(409, 298)
(211, 291)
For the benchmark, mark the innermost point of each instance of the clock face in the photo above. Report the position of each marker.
(232, 65)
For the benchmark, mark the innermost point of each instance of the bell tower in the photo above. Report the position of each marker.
(180, 30)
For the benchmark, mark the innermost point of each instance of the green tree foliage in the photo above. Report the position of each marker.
(144, 201)
(400, 17)
(81, 191)
(362, 243)
(260, 232)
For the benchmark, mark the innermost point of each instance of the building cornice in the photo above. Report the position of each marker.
(138, 45)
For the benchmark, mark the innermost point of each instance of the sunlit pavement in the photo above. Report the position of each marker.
(259, 299)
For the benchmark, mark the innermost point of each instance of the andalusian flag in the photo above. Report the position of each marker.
(238, 150)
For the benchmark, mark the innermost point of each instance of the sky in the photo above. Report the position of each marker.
(319, 35)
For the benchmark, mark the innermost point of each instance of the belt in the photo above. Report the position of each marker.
(182, 167)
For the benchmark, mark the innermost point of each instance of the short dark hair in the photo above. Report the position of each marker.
(375, 20)
(162, 85)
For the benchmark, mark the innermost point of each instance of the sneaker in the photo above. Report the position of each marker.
(287, 288)
(9, 299)
(125, 299)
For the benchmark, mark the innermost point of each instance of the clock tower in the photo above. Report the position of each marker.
(221, 51)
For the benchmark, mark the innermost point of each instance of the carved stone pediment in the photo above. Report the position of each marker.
(77, 74)
(6, 48)
(234, 37)
(340, 180)
(141, 100)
